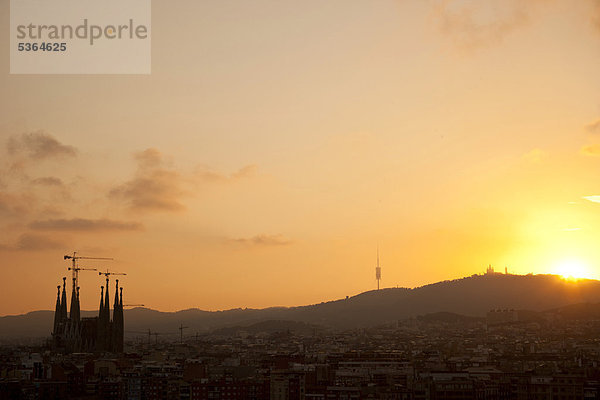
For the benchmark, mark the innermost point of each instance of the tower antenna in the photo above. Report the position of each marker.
(378, 269)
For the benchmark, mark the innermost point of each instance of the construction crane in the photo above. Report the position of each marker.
(150, 334)
(133, 305)
(107, 273)
(75, 268)
(181, 328)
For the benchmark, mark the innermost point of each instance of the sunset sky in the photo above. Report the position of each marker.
(277, 143)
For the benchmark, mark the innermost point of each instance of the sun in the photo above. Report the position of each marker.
(572, 269)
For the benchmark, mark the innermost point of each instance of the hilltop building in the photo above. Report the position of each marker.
(74, 334)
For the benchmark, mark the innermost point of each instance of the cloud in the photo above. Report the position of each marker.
(263, 240)
(535, 156)
(34, 242)
(591, 150)
(479, 24)
(245, 172)
(596, 15)
(594, 199)
(29, 241)
(149, 158)
(159, 187)
(39, 145)
(12, 205)
(205, 174)
(48, 181)
(85, 225)
(154, 187)
(594, 127)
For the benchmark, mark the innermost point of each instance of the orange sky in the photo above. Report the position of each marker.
(276, 143)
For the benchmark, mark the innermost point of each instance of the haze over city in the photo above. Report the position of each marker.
(275, 145)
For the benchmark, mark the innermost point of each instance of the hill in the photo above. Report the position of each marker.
(472, 296)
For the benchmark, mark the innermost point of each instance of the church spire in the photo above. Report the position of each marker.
(73, 309)
(57, 310)
(100, 332)
(107, 333)
(117, 325)
(106, 304)
(101, 312)
(77, 307)
(63, 301)
(116, 295)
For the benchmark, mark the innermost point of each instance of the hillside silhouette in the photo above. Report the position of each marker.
(469, 297)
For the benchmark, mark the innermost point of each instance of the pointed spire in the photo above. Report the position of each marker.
(117, 326)
(63, 301)
(101, 313)
(116, 294)
(77, 307)
(100, 340)
(57, 310)
(106, 323)
(72, 310)
(106, 304)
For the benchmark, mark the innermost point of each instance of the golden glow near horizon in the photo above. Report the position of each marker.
(572, 269)
(276, 143)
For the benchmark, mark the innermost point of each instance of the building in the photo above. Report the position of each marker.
(287, 385)
(74, 334)
(495, 317)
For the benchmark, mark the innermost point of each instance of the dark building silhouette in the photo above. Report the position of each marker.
(74, 334)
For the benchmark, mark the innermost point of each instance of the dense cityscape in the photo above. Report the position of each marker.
(506, 355)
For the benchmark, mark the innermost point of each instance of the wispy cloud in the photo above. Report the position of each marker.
(48, 181)
(158, 186)
(30, 241)
(34, 242)
(15, 205)
(593, 127)
(245, 172)
(85, 225)
(154, 187)
(39, 145)
(596, 16)
(472, 25)
(535, 156)
(263, 240)
(594, 198)
(591, 150)
(205, 174)
(21, 195)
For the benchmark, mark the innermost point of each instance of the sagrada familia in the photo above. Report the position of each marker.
(74, 334)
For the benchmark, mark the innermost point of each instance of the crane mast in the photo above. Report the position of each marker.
(75, 268)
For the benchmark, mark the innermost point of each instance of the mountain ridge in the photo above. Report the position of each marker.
(471, 296)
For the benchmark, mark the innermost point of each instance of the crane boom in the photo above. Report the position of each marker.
(107, 273)
(75, 268)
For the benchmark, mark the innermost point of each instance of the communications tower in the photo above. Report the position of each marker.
(378, 270)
